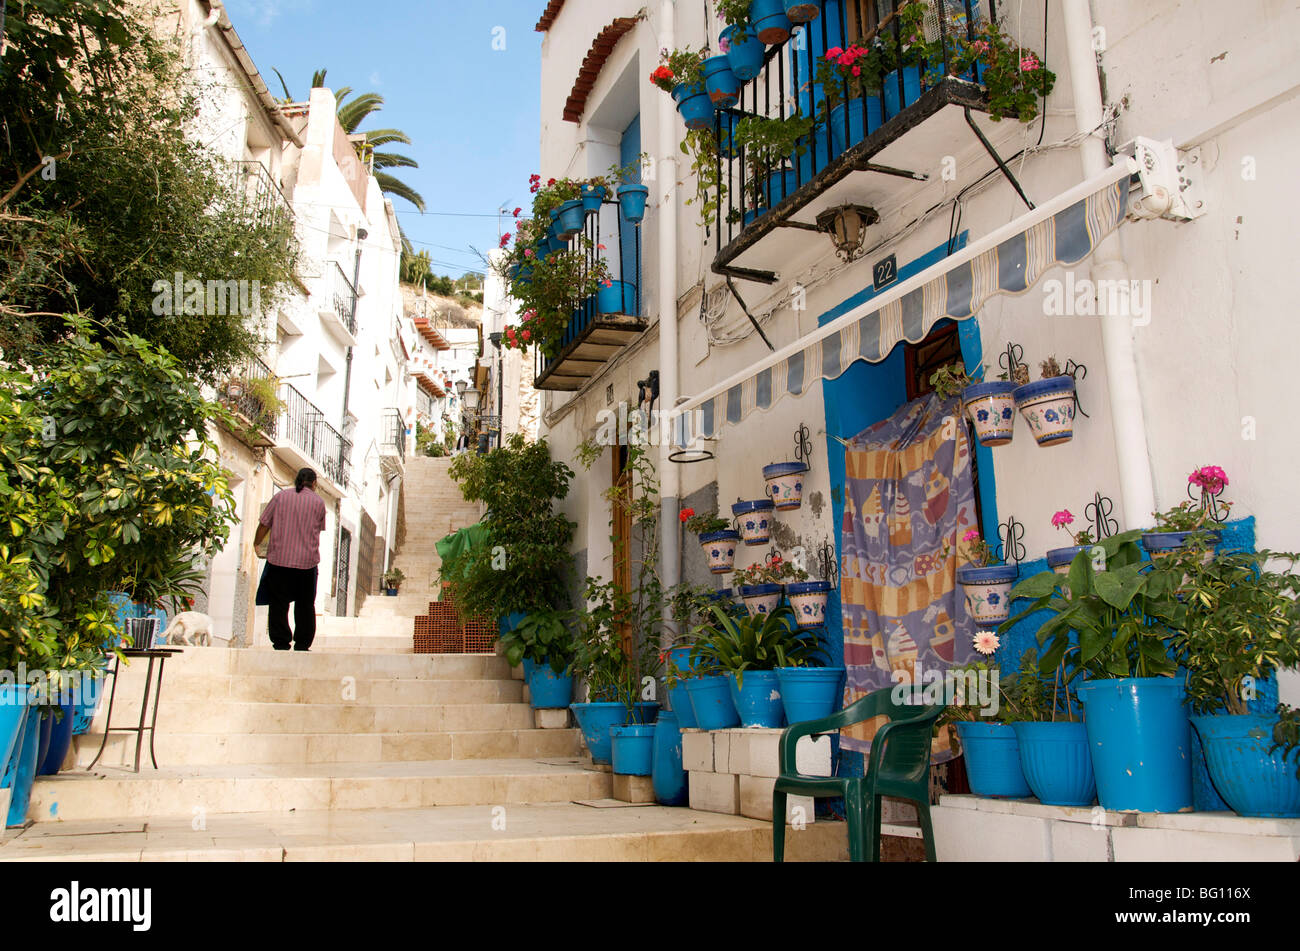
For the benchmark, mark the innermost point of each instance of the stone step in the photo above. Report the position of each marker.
(310, 664)
(193, 687)
(553, 832)
(190, 791)
(198, 749)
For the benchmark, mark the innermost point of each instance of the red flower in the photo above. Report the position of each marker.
(686, 514)
(505, 239)
(517, 212)
(527, 335)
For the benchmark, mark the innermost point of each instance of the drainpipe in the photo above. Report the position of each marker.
(1127, 420)
(666, 184)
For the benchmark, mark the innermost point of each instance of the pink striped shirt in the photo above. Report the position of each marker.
(296, 520)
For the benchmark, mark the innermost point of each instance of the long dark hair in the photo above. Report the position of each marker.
(305, 478)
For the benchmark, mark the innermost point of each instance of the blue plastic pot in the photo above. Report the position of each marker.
(802, 11)
(1162, 543)
(633, 748)
(21, 772)
(13, 714)
(511, 621)
(809, 693)
(631, 201)
(593, 196)
(911, 90)
(595, 719)
(711, 702)
(694, 104)
(993, 760)
(668, 775)
(555, 243)
(570, 218)
(1057, 762)
(1253, 781)
(678, 698)
(770, 21)
(618, 298)
(1141, 743)
(746, 55)
(47, 731)
(548, 690)
(644, 713)
(720, 82)
(857, 129)
(83, 712)
(60, 740)
(758, 698)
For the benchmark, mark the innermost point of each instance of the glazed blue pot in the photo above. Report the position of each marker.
(808, 600)
(757, 697)
(720, 82)
(60, 740)
(632, 200)
(720, 549)
(809, 693)
(1057, 762)
(668, 775)
(802, 11)
(632, 748)
(21, 772)
(13, 716)
(678, 698)
(1253, 781)
(1140, 737)
(857, 130)
(1060, 559)
(770, 21)
(745, 56)
(711, 703)
(993, 760)
(694, 104)
(1162, 543)
(911, 90)
(618, 298)
(755, 518)
(569, 219)
(595, 719)
(548, 690)
(1048, 408)
(593, 196)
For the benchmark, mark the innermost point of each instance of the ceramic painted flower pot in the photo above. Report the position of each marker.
(745, 55)
(720, 82)
(694, 104)
(1048, 408)
(720, 549)
(785, 484)
(1060, 559)
(988, 592)
(755, 519)
(761, 598)
(770, 21)
(992, 409)
(632, 200)
(1253, 781)
(808, 599)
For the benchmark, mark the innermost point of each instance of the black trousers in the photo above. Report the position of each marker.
(299, 586)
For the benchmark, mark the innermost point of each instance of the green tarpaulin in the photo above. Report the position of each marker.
(459, 543)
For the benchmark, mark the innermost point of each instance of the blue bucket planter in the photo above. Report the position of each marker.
(1140, 737)
(802, 11)
(770, 21)
(21, 771)
(758, 698)
(618, 298)
(631, 201)
(694, 104)
(744, 55)
(911, 90)
(60, 741)
(678, 698)
(857, 129)
(993, 760)
(548, 690)
(555, 243)
(569, 218)
(720, 82)
(632, 747)
(1057, 762)
(595, 719)
(711, 703)
(809, 693)
(13, 716)
(593, 196)
(667, 774)
(1253, 781)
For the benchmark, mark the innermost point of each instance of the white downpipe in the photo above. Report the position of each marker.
(1127, 419)
(665, 188)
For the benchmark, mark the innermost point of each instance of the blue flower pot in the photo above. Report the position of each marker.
(678, 697)
(511, 621)
(555, 243)
(758, 698)
(631, 201)
(911, 90)
(668, 775)
(570, 218)
(1253, 781)
(47, 731)
(13, 715)
(755, 519)
(1157, 544)
(988, 592)
(1057, 762)
(809, 693)
(1060, 559)
(21, 772)
(746, 55)
(1048, 408)
(720, 82)
(548, 690)
(60, 740)
(694, 104)
(632, 748)
(711, 702)
(802, 11)
(1140, 736)
(770, 21)
(618, 298)
(720, 549)
(593, 196)
(993, 760)
(595, 719)
(808, 600)
(857, 129)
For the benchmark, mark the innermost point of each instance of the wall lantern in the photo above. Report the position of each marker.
(471, 398)
(847, 225)
(460, 388)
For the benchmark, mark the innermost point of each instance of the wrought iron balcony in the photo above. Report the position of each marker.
(303, 427)
(337, 304)
(262, 196)
(392, 427)
(250, 394)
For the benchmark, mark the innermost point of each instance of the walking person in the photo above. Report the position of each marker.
(294, 519)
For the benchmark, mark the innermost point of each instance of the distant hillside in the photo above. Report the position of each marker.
(445, 311)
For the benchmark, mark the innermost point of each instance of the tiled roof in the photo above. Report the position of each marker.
(548, 15)
(594, 62)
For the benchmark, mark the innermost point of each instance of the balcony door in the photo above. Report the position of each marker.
(629, 154)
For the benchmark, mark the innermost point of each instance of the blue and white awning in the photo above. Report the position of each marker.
(1011, 260)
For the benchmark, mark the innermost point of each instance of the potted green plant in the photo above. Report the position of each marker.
(762, 585)
(1059, 559)
(985, 580)
(1239, 624)
(983, 706)
(545, 645)
(1016, 78)
(393, 579)
(1054, 753)
(681, 73)
(845, 76)
(739, 39)
(1189, 523)
(1048, 405)
(717, 538)
(770, 145)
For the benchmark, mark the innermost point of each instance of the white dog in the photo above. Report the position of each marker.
(189, 628)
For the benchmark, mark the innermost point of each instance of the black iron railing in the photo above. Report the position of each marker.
(394, 431)
(786, 86)
(262, 196)
(249, 392)
(342, 295)
(304, 425)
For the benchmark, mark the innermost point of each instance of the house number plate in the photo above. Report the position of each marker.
(884, 273)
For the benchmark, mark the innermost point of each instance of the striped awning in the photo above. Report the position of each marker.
(1010, 261)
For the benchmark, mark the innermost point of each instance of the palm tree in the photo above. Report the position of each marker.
(351, 115)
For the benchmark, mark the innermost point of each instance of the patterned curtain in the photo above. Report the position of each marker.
(909, 496)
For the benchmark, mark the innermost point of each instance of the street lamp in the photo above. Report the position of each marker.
(847, 226)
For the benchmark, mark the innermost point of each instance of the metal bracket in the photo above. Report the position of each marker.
(1011, 534)
(1172, 181)
(828, 563)
(802, 444)
(1078, 371)
(1098, 512)
(1209, 502)
(741, 301)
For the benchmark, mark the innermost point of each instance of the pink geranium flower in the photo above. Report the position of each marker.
(1062, 519)
(972, 534)
(1212, 479)
(1029, 63)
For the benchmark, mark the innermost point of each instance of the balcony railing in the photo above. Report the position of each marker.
(341, 296)
(248, 393)
(302, 424)
(394, 434)
(262, 195)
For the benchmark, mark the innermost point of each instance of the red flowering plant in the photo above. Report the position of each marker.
(1016, 78)
(775, 570)
(704, 523)
(1063, 520)
(849, 73)
(678, 67)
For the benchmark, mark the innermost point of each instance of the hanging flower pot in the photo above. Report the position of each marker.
(801, 11)
(761, 598)
(1160, 544)
(616, 297)
(720, 549)
(992, 408)
(631, 201)
(694, 104)
(988, 592)
(720, 82)
(755, 520)
(808, 599)
(911, 90)
(593, 196)
(569, 218)
(1253, 781)
(770, 21)
(1060, 559)
(1048, 408)
(744, 51)
(785, 484)
(857, 128)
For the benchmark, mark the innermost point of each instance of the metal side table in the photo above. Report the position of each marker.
(159, 654)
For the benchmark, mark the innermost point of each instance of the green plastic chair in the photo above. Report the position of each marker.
(899, 766)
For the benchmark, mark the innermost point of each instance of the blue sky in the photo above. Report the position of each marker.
(471, 110)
